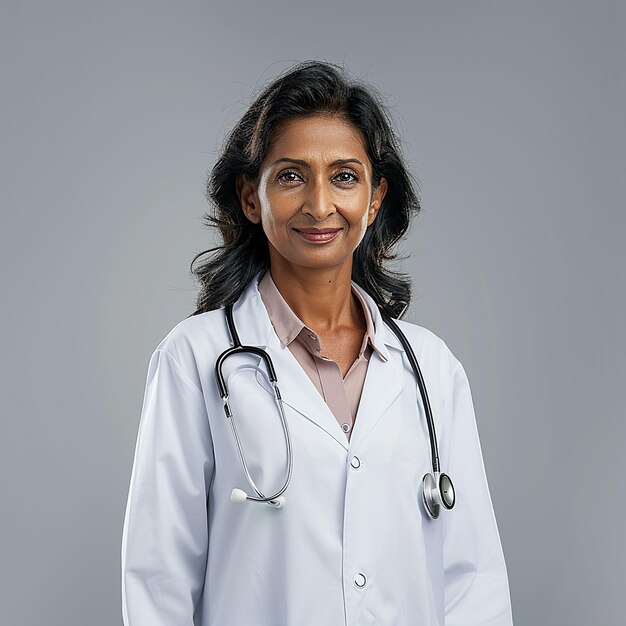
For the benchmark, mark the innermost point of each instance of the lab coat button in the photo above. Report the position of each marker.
(345, 427)
(355, 462)
(360, 580)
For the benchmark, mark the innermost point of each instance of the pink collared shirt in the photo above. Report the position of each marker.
(341, 394)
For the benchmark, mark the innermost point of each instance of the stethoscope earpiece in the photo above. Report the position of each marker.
(239, 495)
(279, 503)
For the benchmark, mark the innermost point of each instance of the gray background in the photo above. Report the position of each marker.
(512, 116)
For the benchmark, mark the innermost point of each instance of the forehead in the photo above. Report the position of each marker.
(317, 137)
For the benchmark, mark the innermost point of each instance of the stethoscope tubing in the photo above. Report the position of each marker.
(262, 497)
(437, 488)
(223, 391)
(434, 448)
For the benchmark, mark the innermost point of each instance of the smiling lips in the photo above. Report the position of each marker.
(318, 235)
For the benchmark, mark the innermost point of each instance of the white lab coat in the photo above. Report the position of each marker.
(190, 556)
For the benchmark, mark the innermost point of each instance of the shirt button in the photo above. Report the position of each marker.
(345, 427)
(360, 580)
(355, 462)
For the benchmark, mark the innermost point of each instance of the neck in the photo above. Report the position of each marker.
(322, 299)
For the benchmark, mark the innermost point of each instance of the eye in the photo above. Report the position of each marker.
(283, 176)
(355, 177)
(344, 176)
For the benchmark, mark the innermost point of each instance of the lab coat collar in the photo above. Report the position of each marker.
(288, 325)
(383, 382)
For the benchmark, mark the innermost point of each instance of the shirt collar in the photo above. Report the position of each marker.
(288, 325)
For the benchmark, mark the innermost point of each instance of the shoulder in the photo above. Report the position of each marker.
(430, 347)
(421, 338)
(420, 334)
(192, 339)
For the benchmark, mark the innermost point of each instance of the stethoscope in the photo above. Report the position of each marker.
(437, 489)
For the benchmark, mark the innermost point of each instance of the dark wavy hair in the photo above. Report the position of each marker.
(309, 88)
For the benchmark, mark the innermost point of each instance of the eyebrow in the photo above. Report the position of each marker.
(305, 164)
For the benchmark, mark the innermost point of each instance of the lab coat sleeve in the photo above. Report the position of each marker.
(165, 535)
(475, 574)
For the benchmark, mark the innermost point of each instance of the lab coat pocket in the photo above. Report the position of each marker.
(258, 423)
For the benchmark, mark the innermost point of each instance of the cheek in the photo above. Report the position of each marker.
(357, 209)
(270, 212)
(269, 208)
(275, 222)
(359, 218)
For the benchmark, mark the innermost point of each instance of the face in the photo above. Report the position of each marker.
(316, 177)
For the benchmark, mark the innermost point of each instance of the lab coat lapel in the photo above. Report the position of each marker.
(383, 382)
(296, 388)
(299, 392)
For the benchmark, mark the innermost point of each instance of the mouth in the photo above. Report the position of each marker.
(318, 235)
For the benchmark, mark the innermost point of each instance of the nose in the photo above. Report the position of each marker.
(318, 201)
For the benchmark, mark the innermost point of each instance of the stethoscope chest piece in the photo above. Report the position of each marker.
(437, 491)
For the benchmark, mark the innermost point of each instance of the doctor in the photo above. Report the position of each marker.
(310, 193)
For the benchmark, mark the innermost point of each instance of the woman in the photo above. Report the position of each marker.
(310, 194)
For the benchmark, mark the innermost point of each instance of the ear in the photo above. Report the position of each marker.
(377, 200)
(248, 199)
